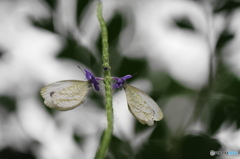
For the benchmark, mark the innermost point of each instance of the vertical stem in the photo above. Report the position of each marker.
(106, 138)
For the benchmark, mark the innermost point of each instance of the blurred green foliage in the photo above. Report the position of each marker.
(73, 50)
(8, 103)
(51, 3)
(184, 23)
(225, 37)
(225, 5)
(10, 153)
(81, 5)
(77, 138)
(46, 23)
(226, 105)
(223, 100)
(119, 149)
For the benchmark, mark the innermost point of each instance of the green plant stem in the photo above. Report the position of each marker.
(106, 138)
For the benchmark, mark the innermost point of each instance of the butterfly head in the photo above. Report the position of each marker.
(120, 81)
(92, 79)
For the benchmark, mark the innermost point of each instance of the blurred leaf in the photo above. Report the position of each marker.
(155, 147)
(115, 59)
(74, 51)
(78, 139)
(119, 149)
(152, 150)
(46, 23)
(8, 103)
(10, 153)
(160, 81)
(224, 38)
(159, 133)
(98, 99)
(81, 4)
(224, 111)
(184, 23)
(51, 3)
(49, 110)
(2, 52)
(132, 66)
(114, 27)
(139, 127)
(196, 147)
(218, 118)
(165, 86)
(175, 88)
(227, 83)
(226, 5)
(227, 106)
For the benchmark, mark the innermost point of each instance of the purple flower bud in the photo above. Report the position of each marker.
(120, 81)
(92, 79)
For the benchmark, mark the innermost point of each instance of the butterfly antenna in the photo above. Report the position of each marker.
(81, 69)
(134, 74)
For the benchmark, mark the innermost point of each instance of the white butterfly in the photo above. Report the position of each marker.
(143, 107)
(68, 94)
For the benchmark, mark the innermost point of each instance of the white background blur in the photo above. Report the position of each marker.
(28, 62)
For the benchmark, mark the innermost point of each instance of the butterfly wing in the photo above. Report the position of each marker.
(143, 107)
(65, 95)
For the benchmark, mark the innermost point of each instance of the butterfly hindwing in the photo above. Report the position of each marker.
(65, 95)
(143, 107)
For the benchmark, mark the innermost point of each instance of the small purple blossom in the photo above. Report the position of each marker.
(120, 81)
(92, 79)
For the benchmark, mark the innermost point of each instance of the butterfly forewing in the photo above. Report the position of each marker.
(143, 107)
(65, 95)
